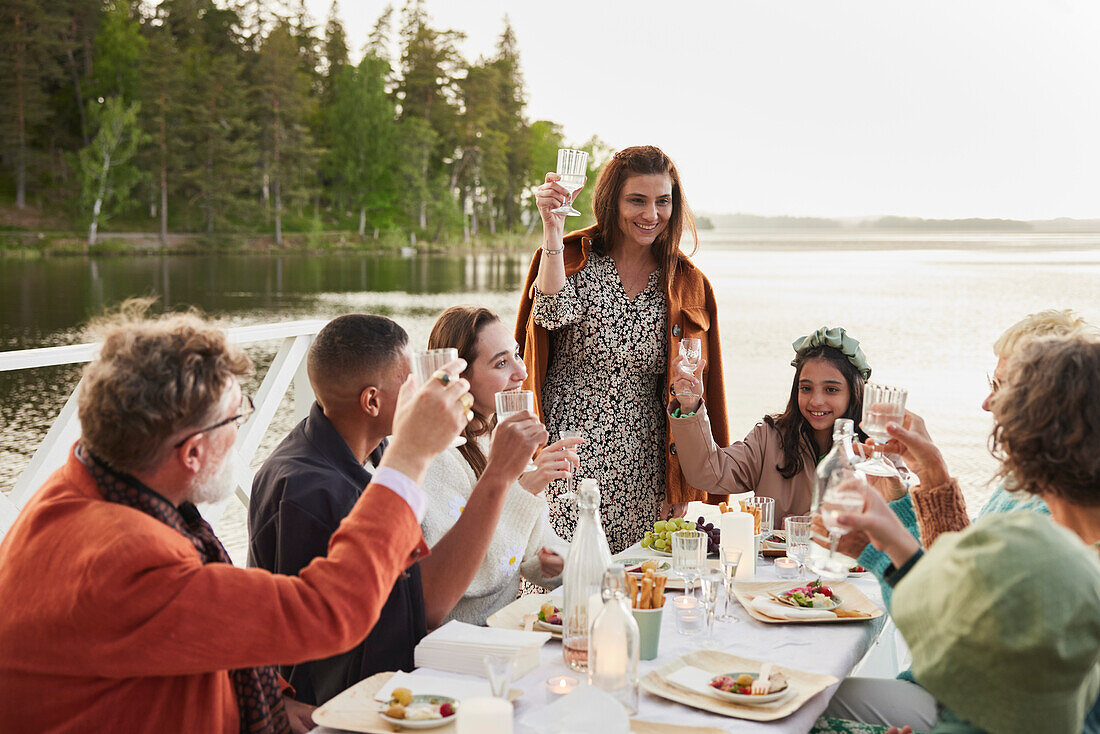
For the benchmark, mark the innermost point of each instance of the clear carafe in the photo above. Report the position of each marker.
(588, 559)
(614, 648)
(842, 456)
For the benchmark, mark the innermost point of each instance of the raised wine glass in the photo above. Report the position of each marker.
(691, 351)
(842, 495)
(425, 364)
(882, 405)
(511, 402)
(572, 166)
(689, 556)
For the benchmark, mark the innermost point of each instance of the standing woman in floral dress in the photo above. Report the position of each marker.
(600, 321)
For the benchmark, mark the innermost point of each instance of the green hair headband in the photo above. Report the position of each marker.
(838, 339)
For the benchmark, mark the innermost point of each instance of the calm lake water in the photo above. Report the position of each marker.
(926, 309)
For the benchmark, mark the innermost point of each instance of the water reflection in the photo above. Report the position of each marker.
(45, 301)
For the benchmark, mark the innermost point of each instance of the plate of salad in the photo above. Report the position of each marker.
(549, 618)
(814, 595)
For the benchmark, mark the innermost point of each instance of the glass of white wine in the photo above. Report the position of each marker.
(712, 584)
(882, 405)
(572, 167)
(691, 351)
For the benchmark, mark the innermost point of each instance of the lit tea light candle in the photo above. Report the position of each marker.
(689, 615)
(785, 567)
(560, 685)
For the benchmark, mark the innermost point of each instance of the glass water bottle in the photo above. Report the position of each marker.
(842, 455)
(588, 558)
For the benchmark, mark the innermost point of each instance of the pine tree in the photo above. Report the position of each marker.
(284, 107)
(427, 91)
(28, 46)
(161, 92)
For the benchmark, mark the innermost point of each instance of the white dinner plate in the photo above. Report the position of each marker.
(835, 602)
(540, 625)
(422, 723)
(748, 700)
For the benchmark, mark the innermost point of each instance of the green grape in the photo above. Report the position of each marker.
(647, 541)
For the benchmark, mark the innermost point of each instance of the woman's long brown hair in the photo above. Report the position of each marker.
(642, 160)
(460, 327)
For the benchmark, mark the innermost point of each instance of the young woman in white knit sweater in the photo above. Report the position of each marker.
(523, 543)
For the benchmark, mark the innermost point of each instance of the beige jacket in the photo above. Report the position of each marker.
(747, 465)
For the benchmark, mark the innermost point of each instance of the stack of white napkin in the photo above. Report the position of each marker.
(462, 648)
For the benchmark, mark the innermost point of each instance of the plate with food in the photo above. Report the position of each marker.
(737, 687)
(638, 566)
(421, 711)
(776, 540)
(814, 595)
(857, 572)
(549, 618)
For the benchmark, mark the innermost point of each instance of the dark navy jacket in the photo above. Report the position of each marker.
(299, 496)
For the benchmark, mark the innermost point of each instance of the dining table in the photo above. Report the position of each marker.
(831, 649)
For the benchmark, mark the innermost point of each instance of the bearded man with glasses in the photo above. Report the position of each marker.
(122, 610)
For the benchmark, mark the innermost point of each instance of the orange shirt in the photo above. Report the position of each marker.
(110, 621)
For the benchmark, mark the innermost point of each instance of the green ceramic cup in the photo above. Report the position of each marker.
(649, 631)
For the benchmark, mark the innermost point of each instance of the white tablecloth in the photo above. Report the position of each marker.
(822, 648)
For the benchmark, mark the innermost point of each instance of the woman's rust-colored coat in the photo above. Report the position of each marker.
(692, 312)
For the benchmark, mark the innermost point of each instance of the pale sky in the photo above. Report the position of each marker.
(926, 108)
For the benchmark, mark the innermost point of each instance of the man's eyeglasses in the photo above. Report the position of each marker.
(247, 409)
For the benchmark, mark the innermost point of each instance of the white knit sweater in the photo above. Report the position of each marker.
(523, 529)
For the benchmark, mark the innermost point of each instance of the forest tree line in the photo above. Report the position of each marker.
(196, 116)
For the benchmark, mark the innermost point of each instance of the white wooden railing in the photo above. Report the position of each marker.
(287, 367)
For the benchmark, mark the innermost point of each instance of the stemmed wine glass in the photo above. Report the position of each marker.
(569, 494)
(729, 559)
(689, 554)
(572, 166)
(882, 405)
(798, 533)
(842, 495)
(425, 364)
(712, 583)
(691, 351)
(511, 402)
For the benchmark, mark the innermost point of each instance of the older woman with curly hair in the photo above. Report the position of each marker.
(1032, 588)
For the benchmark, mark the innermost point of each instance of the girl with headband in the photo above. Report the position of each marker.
(778, 457)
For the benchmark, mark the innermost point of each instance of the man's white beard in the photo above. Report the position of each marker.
(214, 485)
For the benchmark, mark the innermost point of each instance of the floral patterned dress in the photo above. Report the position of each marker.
(606, 377)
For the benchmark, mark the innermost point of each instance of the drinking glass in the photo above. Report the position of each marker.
(712, 583)
(729, 559)
(499, 668)
(689, 556)
(572, 166)
(842, 495)
(767, 515)
(798, 533)
(691, 351)
(511, 402)
(569, 494)
(882, 405)
(425, 364)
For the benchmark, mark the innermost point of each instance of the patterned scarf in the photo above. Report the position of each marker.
(259, 695)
